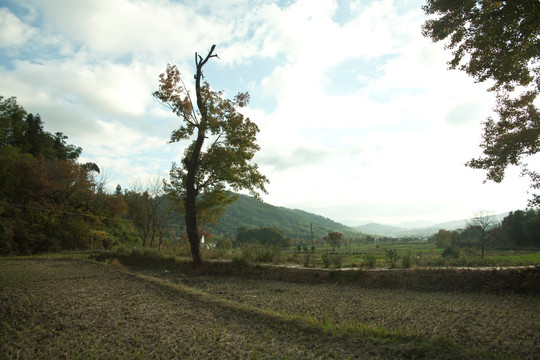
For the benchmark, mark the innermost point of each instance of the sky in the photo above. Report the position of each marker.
(360, 119)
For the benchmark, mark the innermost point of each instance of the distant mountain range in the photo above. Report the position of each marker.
(409, 229)
(294, 223)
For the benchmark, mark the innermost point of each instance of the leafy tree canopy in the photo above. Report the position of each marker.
(229, 141)
(48, 201)
(521, 228)
(334, 239)
(25, 131)
(490, 39)
(497, 41)
(265, 235)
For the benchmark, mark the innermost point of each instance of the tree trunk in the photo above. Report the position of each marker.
(191, 214)
(192, 165)
(190, 201)
(482, 243)
(193, 236)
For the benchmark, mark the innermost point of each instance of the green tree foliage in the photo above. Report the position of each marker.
(12, 123)
(469, 236)
(497, 41)
(266, 235)
(224, 243)
(475, 235)
(25, 131)
(392, 257)
(443, 238)
(334, 240)
(452, 251)
(370, 260)
(451, 241)
(48, 201)
(519, 229)
(229, 140)
(210, 205)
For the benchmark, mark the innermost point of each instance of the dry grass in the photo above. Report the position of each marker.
(490, 323)
(61, 308)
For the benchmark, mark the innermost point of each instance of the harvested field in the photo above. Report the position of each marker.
(52, 308)
(497, 324)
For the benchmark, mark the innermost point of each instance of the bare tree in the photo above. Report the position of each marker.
(483, 220)
(148, 209)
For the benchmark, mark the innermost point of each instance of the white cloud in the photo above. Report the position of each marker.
(108, 87)
(13, 32)
(367, 123)
(123, 27)
(390, 141)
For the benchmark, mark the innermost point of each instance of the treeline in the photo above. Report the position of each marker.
(520, 229)
(51, 202)
(266, 235)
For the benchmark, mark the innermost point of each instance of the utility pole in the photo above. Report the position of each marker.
(312, 246)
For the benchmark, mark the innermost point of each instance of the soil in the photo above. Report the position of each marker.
(65, 308)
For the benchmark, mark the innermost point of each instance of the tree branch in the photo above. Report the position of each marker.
(195, 121)
(201, 62)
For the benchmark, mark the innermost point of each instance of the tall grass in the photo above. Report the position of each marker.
(404, 257)
(259, 253)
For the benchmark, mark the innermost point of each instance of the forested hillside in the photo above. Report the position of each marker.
(295, 224)
(49, 201)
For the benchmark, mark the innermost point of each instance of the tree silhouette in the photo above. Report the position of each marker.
(483, 220)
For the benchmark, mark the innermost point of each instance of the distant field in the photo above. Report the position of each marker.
(426, 254)
(67, 308)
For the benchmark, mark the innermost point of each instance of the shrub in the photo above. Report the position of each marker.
(139, 257)
(295, 258)
(266, 254)
(115, 263)
(260, 253)
(370, 261)
(451, 252)
(224, 243)
(337, 261)
(215, 253)
(183, 249)
(418, 259)
(325, 259)
(247, 253)
(308, 260)
(407, 260)
(329, 260)
(239, 263)
(101, 240)
(392, 257)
